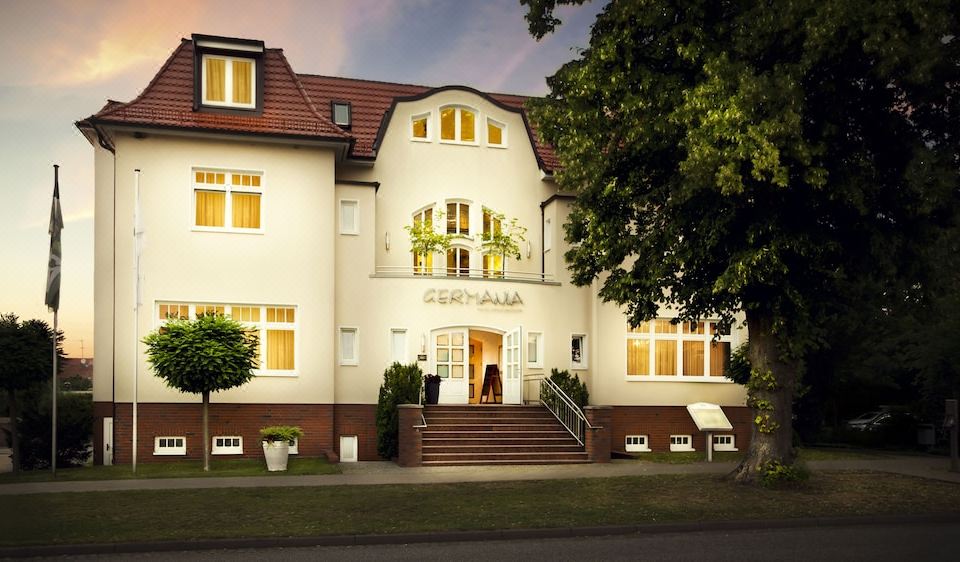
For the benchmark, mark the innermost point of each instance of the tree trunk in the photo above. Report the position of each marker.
(14, 432)
(770, 393)
(206, 431)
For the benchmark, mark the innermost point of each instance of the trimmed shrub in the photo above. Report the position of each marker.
(572, 386)
(401, 385)
(74, 428)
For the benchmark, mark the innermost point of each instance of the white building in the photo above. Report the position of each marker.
(282, 200)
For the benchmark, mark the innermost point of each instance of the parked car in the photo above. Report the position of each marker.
(864, 421)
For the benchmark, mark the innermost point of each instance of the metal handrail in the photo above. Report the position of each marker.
(460, 272)
(564, 409)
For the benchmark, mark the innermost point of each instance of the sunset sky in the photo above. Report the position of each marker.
(63, 59)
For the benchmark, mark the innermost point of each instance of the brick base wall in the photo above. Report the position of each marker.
(316, 420)
(658, 423)
(359, 420)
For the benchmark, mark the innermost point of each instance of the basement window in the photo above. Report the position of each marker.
(724, 443)
(680, 443)
(636, 444)
(169, 445)
(227, 445)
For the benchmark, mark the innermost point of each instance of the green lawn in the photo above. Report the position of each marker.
(101, 517)
(179, 469)
(804, 454)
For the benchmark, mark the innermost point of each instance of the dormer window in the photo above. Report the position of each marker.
(228, 81)
(342, 114)
(228, 73)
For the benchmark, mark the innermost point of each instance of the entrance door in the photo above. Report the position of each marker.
(450, 358)
(512, 376)
(107, 441)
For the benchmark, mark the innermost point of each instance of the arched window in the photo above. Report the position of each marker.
(493, 264)
(458, 124)
(458, 262)
(458, 218)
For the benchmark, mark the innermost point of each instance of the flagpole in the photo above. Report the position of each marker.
(55, 217)
(137, 233)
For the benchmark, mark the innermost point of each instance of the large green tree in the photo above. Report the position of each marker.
(769, 158)
(208, 354)
(26, 360)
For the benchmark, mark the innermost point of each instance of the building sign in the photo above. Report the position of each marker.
(464, 296)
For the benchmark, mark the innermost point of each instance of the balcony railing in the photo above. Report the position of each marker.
(462, 273)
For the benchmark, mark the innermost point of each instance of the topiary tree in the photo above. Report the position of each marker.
(209, 354)
(401, 385)
(25, 361)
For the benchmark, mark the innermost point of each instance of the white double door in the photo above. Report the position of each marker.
(451, 358)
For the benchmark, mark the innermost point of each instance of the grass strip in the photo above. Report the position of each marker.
(178, 469)
(149, 515)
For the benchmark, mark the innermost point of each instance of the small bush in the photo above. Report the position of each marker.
(572, 386)
(280, 433)
(775, 474)
(401, 385)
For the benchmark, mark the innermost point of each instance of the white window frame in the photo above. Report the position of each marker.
(678, 337)
(584, 362)
(538, 363)
(169, 450)
(356, 448)
(494, 223)
(355, 360)
(731, 446)
(503, 132)
(458, 234)
(356, 216)
(641, 445)
(228, 82)
(680, 446)
(225, 449)
(457, 120)
(429, 117)
(404, 356)
(421, 214)
(333, 113)
(261, 327)
(457, 249)
(228, 189)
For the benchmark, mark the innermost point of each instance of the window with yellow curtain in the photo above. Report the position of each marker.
(468, 131)
(448, 126)
(242, 81)
(420, 126)
(719, 358)
(227, 199)
(494, 133)
(665, 361)
(215, 79)
(280, 350)
(693, 358)
(457, 124)
(638, 357)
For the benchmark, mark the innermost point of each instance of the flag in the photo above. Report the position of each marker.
(56, 225)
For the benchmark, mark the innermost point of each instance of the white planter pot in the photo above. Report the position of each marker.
(276, 453)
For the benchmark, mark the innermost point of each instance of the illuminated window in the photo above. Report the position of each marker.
(661, 348)
(458, 218)
(227, 200)
(458, 262)
(493, 264)
(228, 81)
(458, 124)
(420, 127)
(423, 263)
(496, 133)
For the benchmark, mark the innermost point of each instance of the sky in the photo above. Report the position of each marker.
(61, 60)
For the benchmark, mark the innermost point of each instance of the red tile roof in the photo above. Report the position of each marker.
(371, 100)
(293, 105)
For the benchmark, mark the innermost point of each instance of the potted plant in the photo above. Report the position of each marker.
(276, 441)
(431, 387)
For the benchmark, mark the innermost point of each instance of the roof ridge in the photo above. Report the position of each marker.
(306, 96)
(386, 83)
(153, 81)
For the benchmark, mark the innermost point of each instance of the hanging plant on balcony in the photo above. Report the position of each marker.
(424, 240)
(503, 239)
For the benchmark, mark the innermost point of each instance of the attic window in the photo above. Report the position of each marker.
(341, 113)
(228, 81)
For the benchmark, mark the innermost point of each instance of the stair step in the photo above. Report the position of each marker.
(487, 449)
(503, 462)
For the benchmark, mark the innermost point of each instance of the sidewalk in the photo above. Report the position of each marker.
(376, 473)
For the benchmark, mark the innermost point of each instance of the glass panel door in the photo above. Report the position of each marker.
(512, 375)
(450, 359)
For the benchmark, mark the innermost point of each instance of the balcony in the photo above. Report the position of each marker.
(463, 274)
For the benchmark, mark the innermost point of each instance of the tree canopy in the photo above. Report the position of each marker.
(209, 354)
(776, 159)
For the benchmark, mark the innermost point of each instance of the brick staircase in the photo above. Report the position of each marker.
(496, 434)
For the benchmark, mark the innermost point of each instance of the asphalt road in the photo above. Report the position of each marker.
(881, 542)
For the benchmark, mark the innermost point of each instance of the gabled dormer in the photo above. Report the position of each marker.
(227, 74)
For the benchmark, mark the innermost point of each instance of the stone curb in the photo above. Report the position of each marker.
(471, 536)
